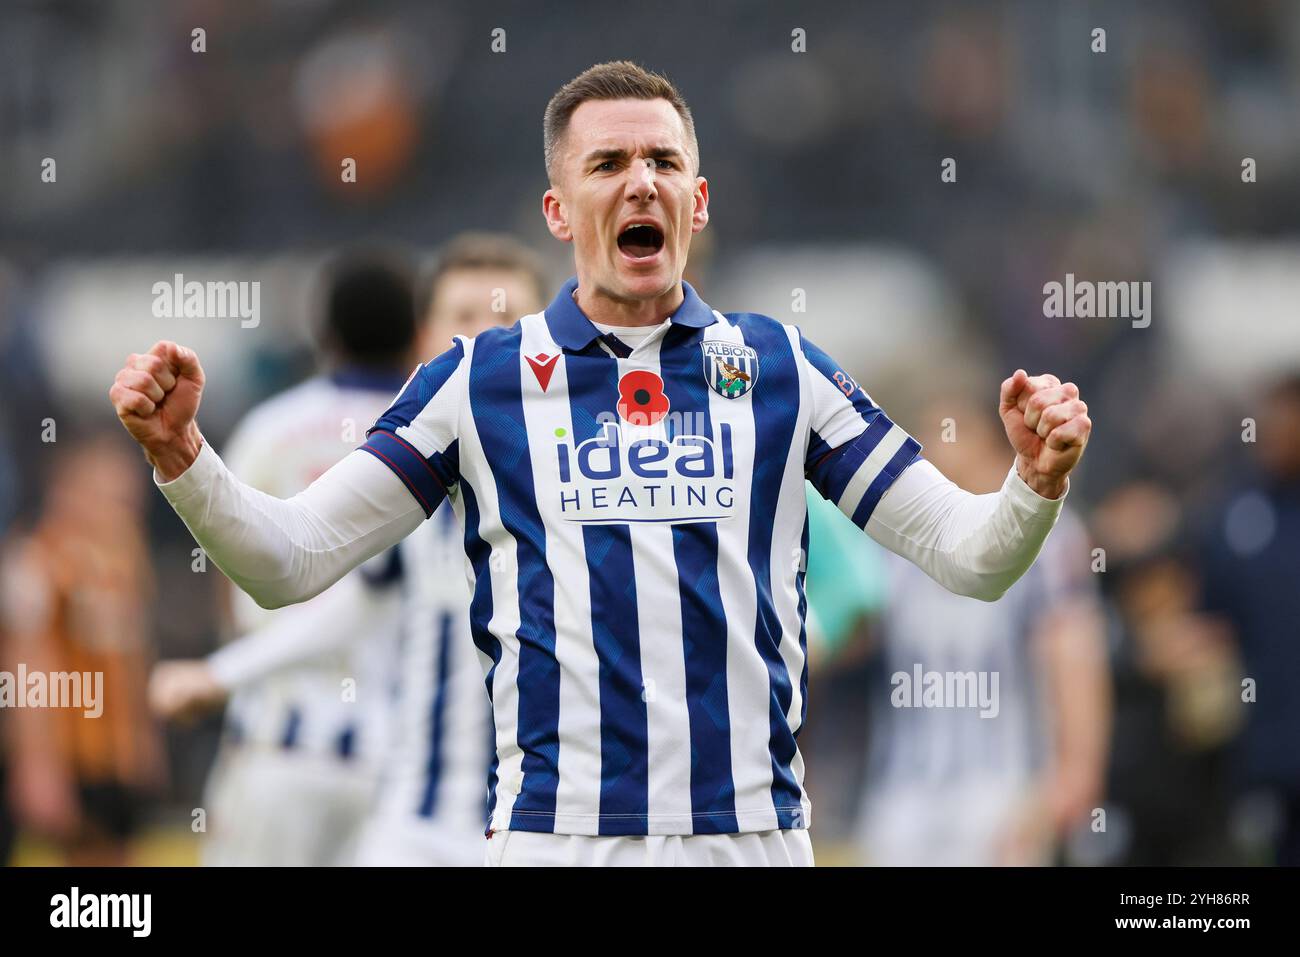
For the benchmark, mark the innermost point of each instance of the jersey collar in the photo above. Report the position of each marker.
(571, 328)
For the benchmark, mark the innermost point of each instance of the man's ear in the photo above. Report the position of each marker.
(556, 222)
(700, 216)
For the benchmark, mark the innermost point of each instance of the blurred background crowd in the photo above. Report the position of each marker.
(1150, 671)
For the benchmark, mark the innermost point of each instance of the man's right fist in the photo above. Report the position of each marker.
(156, 396)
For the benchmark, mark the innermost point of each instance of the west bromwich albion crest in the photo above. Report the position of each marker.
(730, 369)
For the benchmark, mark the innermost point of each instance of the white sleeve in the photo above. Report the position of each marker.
(324, 625)
(282, 551)
(973, 545)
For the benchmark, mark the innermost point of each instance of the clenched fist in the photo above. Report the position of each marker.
(1048, 426)
(156, 396)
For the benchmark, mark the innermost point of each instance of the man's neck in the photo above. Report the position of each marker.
(602, 308)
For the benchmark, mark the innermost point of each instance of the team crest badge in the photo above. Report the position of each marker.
(730, 369)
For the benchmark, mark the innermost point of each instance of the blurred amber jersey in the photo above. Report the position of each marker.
(83, 597)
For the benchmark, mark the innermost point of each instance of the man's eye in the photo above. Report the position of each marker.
(605, 167)
(665, 164)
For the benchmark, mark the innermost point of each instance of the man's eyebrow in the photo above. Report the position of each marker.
(616, 152)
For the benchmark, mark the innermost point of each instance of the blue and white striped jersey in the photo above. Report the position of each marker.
(442, 742)
(282, 446)
(927, 630)
(635, 525)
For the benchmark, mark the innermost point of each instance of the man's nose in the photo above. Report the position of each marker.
(641, 181)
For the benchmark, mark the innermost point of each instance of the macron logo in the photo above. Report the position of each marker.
(543, 365)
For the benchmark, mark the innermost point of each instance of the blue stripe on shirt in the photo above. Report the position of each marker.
(900, 460)
(433, 767)
(695, 549)
(624, 721)
(292, 728)
(774, 428)
(496, 402)
(832, 473)
(799, 584)
(421, 476)
(480, 613)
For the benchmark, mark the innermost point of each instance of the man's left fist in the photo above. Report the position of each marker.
(1048, 426)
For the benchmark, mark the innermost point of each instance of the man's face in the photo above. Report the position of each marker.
(465, 302)
(627, 197)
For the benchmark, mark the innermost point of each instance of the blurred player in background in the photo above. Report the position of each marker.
(949, 785)
(76, 593)
(1250, 566)
(431, 809)
(1177, 694)
(305, 728)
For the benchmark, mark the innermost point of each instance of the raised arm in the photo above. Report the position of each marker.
(282, 551)
(279, 551)
(980, 545)
(973, 545)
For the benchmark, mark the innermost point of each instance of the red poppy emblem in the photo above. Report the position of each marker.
(641, 399)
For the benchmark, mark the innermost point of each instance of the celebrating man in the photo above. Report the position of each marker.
(633, 520)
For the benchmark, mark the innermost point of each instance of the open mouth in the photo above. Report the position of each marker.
(640, 241)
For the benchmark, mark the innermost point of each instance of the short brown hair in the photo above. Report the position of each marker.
(616, 80)
(483, 251)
